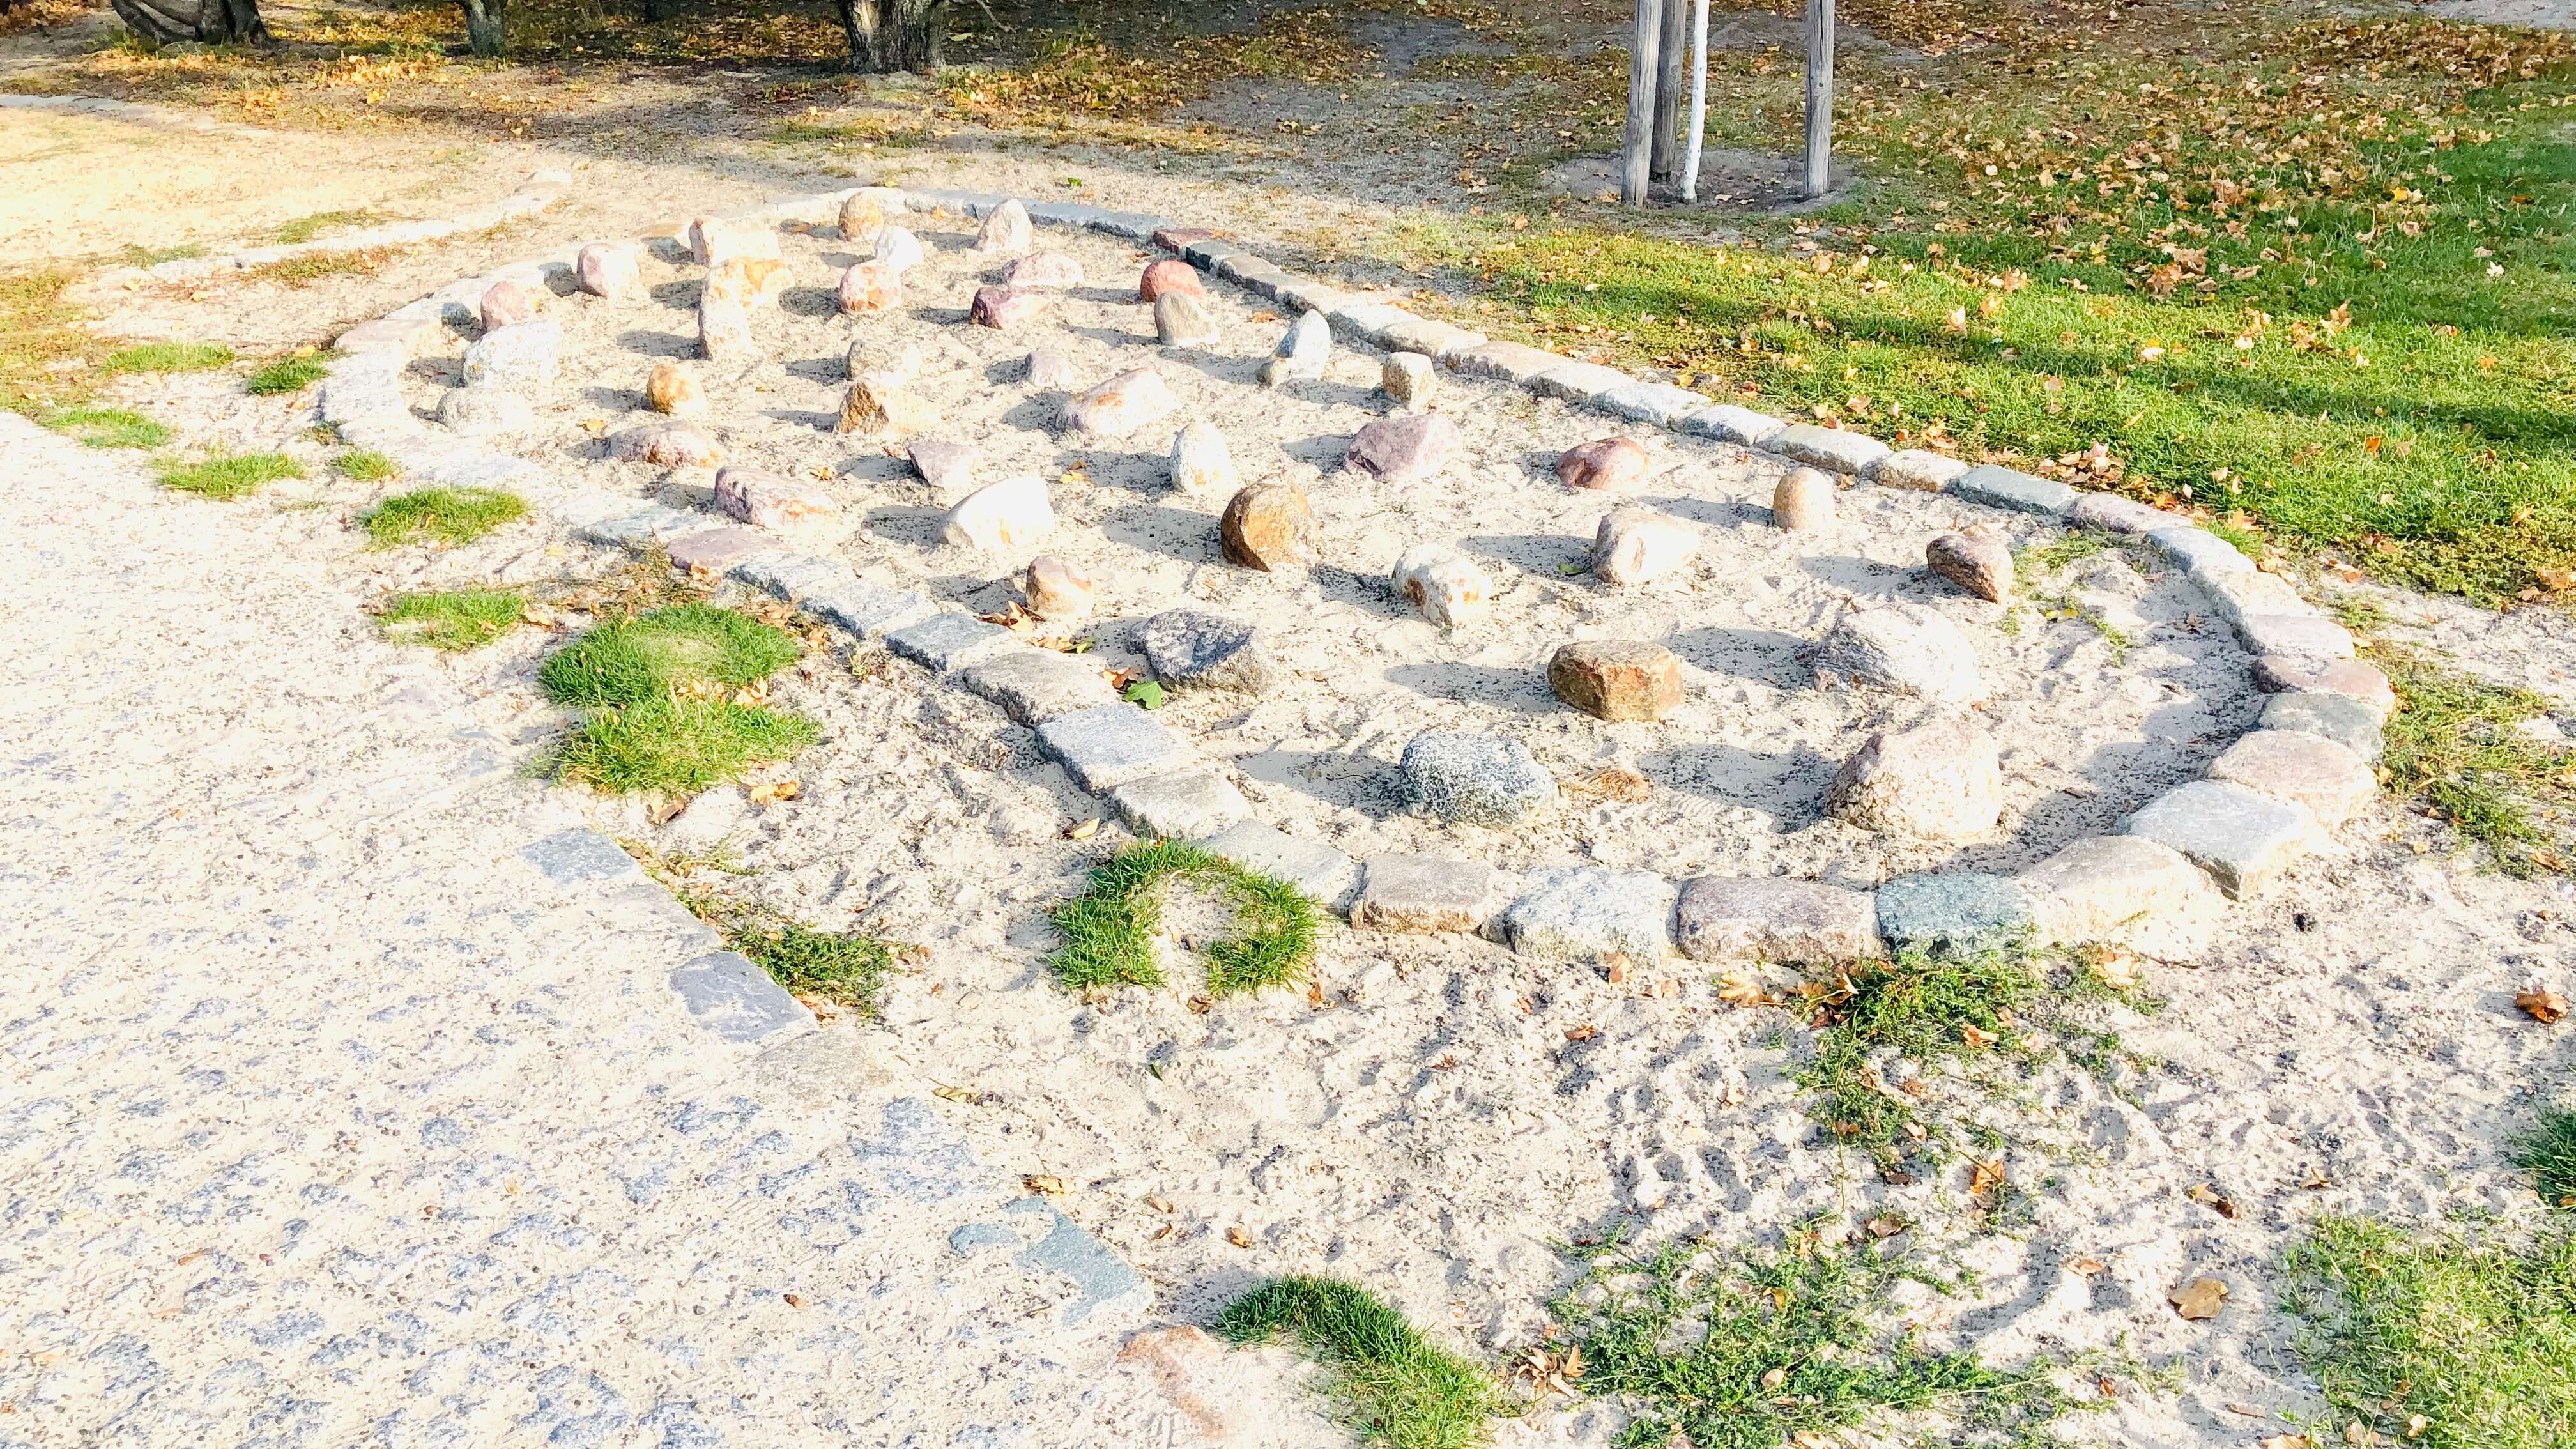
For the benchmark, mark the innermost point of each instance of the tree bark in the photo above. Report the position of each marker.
(207, 22)
(1669, 49)
(485, 29)
(1644, 65)
(895, 35)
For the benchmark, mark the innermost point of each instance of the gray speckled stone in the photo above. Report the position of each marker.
(2347, 721)
(1310, 865)
(2009, 488)
(1512, 362)
(1578, 382)
(2241, 838)
(2238, 596)
(1725, 919)
(1103, 1283)
(2116, 514)
(1033, 685)
(795, 577)
(1958, 915)
(1919, 469)
(1830, 448)
(735, 999)
(718, 549)
(2303, 768)
(1731, 424)
(1184, 805)
(1194, 649)
(577, 855)
(1905, 647)
(1473, 779)
(2198, 551)
(1659, 403)
(1587, 914)
(1433, 339)
(645, 526)
(1105, 748)
(947, 641)
(869, 611)
(2098, 887)
(1424, 893)
(2312, 635)
(523, 354)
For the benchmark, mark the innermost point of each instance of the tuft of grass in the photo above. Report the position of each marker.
(1109, 929)
(168, 357)
(1691, 1336)
(447, 516)
(2452, 745)
(2477, 1338)
(288, 375)
(142, 256)
(2549, 1154)
(365, 465)
(110, 427)
(682, 650)
(679, 746)
(1921, 1008)
(226, 476)
(846, 969)
(1405, 1390)
(453, 621)
(312, 267)
(46, 357)
(306, 228)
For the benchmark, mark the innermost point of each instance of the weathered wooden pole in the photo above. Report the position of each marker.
(1668, 90)
(1820, 96)
(1699, 101)
(1645, 44)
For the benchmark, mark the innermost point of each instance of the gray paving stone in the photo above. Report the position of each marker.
(1187, 804)
(1958, 915)
(1310, 865)
(1306, 294)
(948, 640)
(1206, 255)
(1833, 449)
(579, 855)
(1659, 403)
(1512, 362)
(1731, 424)
(1576, 382)
(1433, 339)
(1723, 919)
(868, 611)
(2302, 768)
(718, 549)
(1419, 894)
(730, 996)
(474, 468)
(1034, 685)
(1476, 779)
(2198, 552)
(1064, 213)
(2291, 673)
(1133, 225)
(2309, 634)
(1106, 747)
(2096, 888)
(1049, 1242)
(1588, 914)
(2009, 488)
(795, 577)
(646, 526)
(2235, 597)
(2349, 722)
(1919, 469)
(2121, 515)
(2241, 838)
(1366, 320)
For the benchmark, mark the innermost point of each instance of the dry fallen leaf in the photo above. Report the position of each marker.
(1617, 968)
(1585, 1032)
(1238, 1237)
(2116, 968)
(2086, 1266)
(1979, 1040)
(2251, 1411)
(1160, 1205)
(2210, 1197)
(1084, 831)
(966, 1095)
(1045, 1185)
(2198, 1299)
(1986, 1177)
(1740, 988)
(2543, 1004)
(1885, 1226)
(776, 790)
(795, 1300)
(1775, 1378)
(2357, 1432)
(2286, 1441)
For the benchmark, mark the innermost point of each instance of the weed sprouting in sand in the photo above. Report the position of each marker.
(288, 375)
(110, 427)
(673, 699)
(168, 357)
(2548, 1152)
(845, 968)
(453, 620)
(448, 516)
(1109, 929)
(365, 465)
(225, 476)
(1403, 1390)
(2453, 745)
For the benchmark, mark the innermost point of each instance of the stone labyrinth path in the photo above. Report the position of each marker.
(1454, 634)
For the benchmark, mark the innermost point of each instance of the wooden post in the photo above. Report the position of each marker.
(1820, 96)
(1668, 90)
(1645, 45)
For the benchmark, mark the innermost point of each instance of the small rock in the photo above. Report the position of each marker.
(1804, 500)
(1056, 588)
(1167, 276)
(1416, 894)
(2352, 723)
(767, 500)
(1472, 779)
(862, 215)
(1052, 270)
(1607, 465)
(2098, 888)
(1954, 915)
(1181, 319)
(1303, 354)
(484, 409)
(1588, 914)
(1939, 781)
(713, 243)
(524, 354)
(668, 445)
(605, 269)
(1907, 648)
(1617, 680)
(1728, 920)
(1443, 583)
(724, 331)
(1405, 449)
(1187, 648)
(1919, 469)
(878, 404)
(673, 389)
(1976, 562)
(1049, 368)
(871, 287)
(1201, 464)
(867, 357)
(898, 248)
(2304, 769)
(1121, 405)
(1011, 514)
(2290, 674)
(1638, 545)
(949, 468)
(1008, 306)
(1270, 527)
(1006, 230)
(2242, 838)
(750, 281)
(506, 304)
(1408, 378)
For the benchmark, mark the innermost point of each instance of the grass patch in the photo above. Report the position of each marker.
(229, 475)
(846, 969)
(1745, 1350)
(142, 256)
(679, 746)
(306, 228)
(2549, 1154)
(446, 516)
(288, 375)
(674, 700)
(2452, 746)
(45, 359)
(2476, 1338)
(169, 357)
(1929, 1010)
(453, 621)
(313, 267)
(1109, 929)
(1404, 1390)
(684, 650)
(365, 465)
(110, 427)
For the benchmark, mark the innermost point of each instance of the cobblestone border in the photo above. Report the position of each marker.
(2271, 799)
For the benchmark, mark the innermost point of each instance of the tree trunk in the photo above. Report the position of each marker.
(894, 35)
(484, 29)
(1669, 50)
(654, 11)
(208, 22)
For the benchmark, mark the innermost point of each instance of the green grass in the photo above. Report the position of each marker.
(141, 256)
(2476, 1337)
(678, 746)
(2452, 745)
(1692, 1336)
(455, 620)
(683, 649)
(306, 228)
(846, 969)
(1919, 1008)
(110, 427)
(228, 475)
(288, 375)
(447, 516)
(658, 690)
(365, 465)
(168, 357)
(1109, 929)
(2548, 1152)
(1404, 1390)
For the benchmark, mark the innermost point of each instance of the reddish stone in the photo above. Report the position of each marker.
(1270, 527)
(1168, 275)
(1403, 449)
(1610, 679)
(505, 303)
(1007, 306)
(1046, 269)
(871, 287)
(1608, 465)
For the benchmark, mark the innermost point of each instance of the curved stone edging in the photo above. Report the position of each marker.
(2271, 799)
